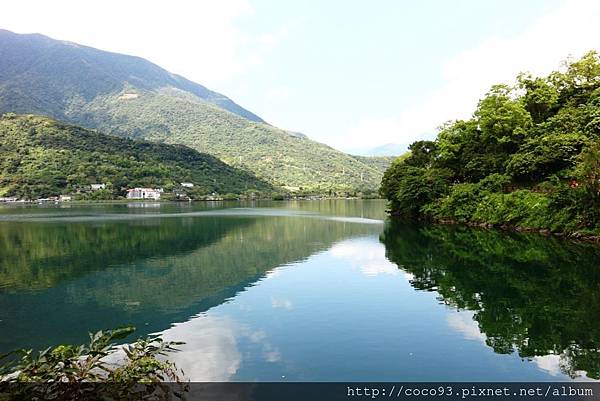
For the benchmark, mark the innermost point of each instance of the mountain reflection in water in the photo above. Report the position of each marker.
(282, 291)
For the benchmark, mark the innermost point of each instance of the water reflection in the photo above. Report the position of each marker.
(365, 256)
(536, 296)
(349, 313)
(304, 291)
(211, 350)
(65, 273)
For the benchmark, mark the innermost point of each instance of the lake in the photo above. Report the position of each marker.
(303, 291)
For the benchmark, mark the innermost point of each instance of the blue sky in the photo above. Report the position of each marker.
(352, 74)
(342, 60)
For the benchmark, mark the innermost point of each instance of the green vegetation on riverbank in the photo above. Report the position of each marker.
(42, 157)
(529, 158)
(73, 372)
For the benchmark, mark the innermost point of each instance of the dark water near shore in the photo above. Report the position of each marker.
(320, 290)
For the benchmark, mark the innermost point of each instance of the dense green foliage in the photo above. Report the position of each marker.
(42, 157)
(529, 157)
(131, 97)
(528, 293)
(72, 372)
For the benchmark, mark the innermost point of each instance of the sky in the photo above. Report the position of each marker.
(352, 74)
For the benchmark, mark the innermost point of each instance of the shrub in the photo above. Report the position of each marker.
(494, 182)
(68, 372)
(520, 208)
(460, 204)
(416, 188)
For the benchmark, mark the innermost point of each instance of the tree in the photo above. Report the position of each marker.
(540, 98)
(410, 188)
(508, 164)
(422, 154)
(540, 157)
(503, 120)
(589, 172)
(579, 80)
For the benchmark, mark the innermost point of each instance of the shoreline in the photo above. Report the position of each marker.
(573, 236)
(125, 201)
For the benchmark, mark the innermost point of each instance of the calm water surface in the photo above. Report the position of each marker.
(288, 291)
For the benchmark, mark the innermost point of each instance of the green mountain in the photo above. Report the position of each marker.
(129, 96)
(529, 158)
(42, 157)
(42, 75)
(377, 162)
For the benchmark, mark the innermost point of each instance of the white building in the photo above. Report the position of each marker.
(144, 193)
(97, 187)
(187, 184)
(65, 198)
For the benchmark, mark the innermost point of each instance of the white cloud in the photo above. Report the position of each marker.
(549, 363)
(278, 93)
(571, 29)
(275, 38)
(369, 257)
(281, 303)
(210, 352)
(271, 354)
(199, 40)
(463, 322)
(556, 364)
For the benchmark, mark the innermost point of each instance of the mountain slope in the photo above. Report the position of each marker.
(129, 96)
(377, 162)
(37, 71)
(42, 157)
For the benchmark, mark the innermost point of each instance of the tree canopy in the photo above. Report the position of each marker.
(529, 157)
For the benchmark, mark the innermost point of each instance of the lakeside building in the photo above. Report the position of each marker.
(144, 193)
(97, 187)
(48, 199)
(187, 185)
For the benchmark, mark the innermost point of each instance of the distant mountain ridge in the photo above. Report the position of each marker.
(386, 150)
(131, 97)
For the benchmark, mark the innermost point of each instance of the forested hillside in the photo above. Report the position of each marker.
(529, 157)
(272, 154)
(41, 157)
(131, 97)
